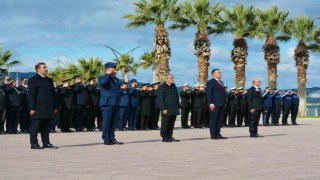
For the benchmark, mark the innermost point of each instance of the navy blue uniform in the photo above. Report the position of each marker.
(294, 108)
(24, 112)
(133, 107)
(276, 112)
(109, 103)
(267, 107)
(124, 106)
(13, 108)
(287, 103)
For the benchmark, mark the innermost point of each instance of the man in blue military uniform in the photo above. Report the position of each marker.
(124, 105)
(294, 107)
(134, 105)
(277, 103)
(109, 103)
(267, 106)
(287, 103)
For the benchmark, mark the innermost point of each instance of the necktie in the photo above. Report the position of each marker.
(221, 84)
(260, 91)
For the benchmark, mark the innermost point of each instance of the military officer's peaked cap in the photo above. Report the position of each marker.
(110, 65)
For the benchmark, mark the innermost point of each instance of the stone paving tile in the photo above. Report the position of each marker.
(286, 152)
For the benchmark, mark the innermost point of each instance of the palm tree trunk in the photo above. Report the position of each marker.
(163, 51)
(272, 57)
(239, 57)
(154, 72)
(203, 52)
(272, 75)
(126, 76)
(302, 61)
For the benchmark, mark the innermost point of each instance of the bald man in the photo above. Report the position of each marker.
(254, 100)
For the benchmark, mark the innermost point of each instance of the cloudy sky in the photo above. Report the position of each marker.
(38, 30)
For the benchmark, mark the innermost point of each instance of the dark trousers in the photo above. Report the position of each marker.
(286, 112)
(154, 118)
(167, 126)
(254, 122)
(42, 125)
(184, 116)
(266, 115)
(246, 118)
(276, 115)
(24, 119)
(192, 116)
(199, 115)
(223, 117)
(240, 116)
(91, 116)
(123, 115)
(81, 114)
(144, 121)
(110, 116)
(294, 114)
(215, 121)
(66, 118)
(2, 119)
(12, 119)
(232, 117)
(133, 117)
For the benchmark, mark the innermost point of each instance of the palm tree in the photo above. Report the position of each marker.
(125, 62)
(156, 12)
(86, 68)
(148, 59)
(308, 35)
(201, 15)
(5, 61)
(275, 26)
(242, 22)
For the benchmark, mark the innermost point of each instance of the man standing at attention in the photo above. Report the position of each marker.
(168, 99)
(255, 101)
(109, 102)
(216, 95)
(43, 106)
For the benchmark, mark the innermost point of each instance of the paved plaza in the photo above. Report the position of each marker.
(286, 152)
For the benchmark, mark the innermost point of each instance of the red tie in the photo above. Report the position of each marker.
(221, 84)
(260, 91)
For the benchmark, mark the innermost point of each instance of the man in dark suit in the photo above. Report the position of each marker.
(185, 106)
(216, 96)
(255, 102)
(66, 106)
(43, 106)
(168, 99)
(109, 103)
(2, 106)
(155, 110)
(94, 111)
(13, 106)
(82, 102)
(146, 106)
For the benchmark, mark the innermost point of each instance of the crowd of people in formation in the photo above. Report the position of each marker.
(138, 107)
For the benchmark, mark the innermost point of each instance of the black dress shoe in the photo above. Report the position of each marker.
(221, 137)
(174, 140)
(117, 143)
(50, 146)
(108, 143)
(166, 140)
(214, 138)
(36, 146)
(256, 136)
